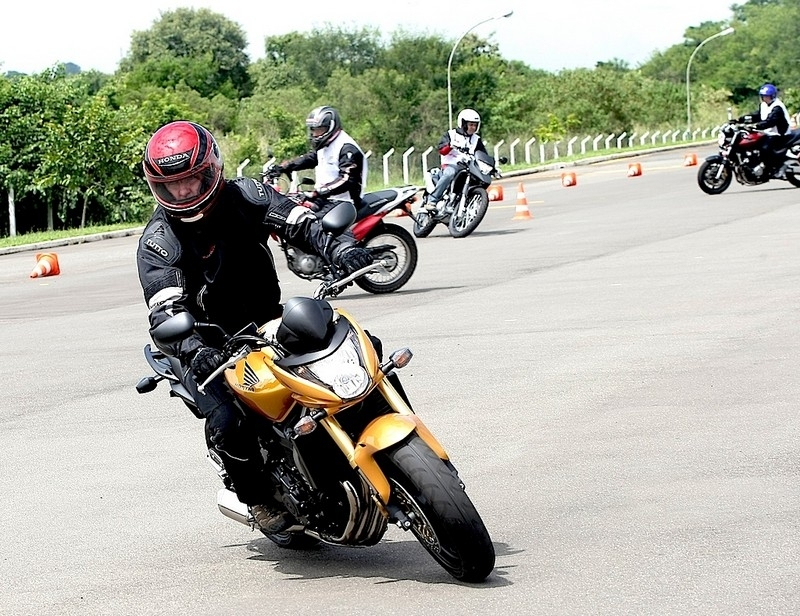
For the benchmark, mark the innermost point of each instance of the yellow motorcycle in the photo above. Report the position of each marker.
(346, 453)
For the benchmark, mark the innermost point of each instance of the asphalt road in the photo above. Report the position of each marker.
(615, 379)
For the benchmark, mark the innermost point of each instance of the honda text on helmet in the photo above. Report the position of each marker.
(183, 167)
(467, 116)
(323, 125)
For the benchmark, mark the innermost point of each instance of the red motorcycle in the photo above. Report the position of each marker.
(740, 147)
(392, 247)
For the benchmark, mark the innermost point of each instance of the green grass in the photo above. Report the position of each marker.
(44, 236)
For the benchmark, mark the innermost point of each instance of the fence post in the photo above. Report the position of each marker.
(528, 144)
(609, 139)
(596, 141)
(555, 150)
(541, 152)
(584, 142)
(497, 148)
(675, 135)
(386, 166)
(654, 136)
(406, 154)
(570, 143)
(511, 147)
(620, 138)
(425, 160)
(630, 140)
(240, 168)
(643, 137)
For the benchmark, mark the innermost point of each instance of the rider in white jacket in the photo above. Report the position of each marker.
(774, 120)
(454, 145)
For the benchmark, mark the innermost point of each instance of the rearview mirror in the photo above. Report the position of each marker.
(173, 329)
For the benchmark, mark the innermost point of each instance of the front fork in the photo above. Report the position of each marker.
(381, 433)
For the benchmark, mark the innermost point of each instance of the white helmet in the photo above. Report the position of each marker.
(468, 115)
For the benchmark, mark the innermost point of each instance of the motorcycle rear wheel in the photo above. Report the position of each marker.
(293, 541)
(466, 218)
(707, 176)
(444, 520)
(400, 251)
(793, 179)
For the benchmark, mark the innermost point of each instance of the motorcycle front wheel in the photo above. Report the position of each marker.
(424, 223)
(714, 176)
(443, 518)
(466, 218)
(394, 245)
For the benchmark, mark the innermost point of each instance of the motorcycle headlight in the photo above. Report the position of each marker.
(342, 371)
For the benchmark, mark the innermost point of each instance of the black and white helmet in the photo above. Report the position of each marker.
(468, 115)
(323, 125)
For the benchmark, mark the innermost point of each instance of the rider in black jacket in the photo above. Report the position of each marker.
(205, 251)
(340, 165)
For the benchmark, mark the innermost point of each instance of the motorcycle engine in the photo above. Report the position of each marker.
(304, 264)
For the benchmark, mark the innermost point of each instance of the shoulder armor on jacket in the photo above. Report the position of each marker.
(252, 190)
(159, 240)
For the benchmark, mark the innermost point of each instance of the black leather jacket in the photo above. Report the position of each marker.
(220, 269)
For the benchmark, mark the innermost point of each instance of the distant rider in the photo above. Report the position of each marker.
(204, 251)
(454, 146)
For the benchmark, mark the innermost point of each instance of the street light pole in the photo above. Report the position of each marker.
(450, 63)
(724, 32)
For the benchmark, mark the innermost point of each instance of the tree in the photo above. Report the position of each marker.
(203, 49)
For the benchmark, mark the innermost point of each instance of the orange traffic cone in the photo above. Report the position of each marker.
(690, 160)
(522, 212)
(634, 169)
(495, 192)
(569, 179)
(46, 265)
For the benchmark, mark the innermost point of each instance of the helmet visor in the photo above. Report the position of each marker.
(186, 191)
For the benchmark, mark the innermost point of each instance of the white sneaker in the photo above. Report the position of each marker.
(430, 206)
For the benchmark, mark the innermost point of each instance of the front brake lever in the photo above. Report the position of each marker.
(331, 289)
(229, 364)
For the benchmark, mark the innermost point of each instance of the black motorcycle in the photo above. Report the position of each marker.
(740, 157)
(466, 200)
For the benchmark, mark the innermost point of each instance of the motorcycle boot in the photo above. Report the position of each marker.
(270, 519)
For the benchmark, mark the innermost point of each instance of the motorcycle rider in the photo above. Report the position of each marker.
(774, 120)
(339, 163)
(204, 251)
(453, 147)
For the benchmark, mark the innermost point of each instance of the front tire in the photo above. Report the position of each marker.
(467, 218)
(444, 520)
(394, 245)
(707, 176)
(424, 223)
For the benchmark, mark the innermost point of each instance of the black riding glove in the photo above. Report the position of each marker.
(353, 258)
(205, 361)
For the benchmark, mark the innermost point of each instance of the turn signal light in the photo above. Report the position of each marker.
(306, 425)
(401, 357)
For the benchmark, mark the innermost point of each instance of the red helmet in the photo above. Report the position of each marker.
(183, 167)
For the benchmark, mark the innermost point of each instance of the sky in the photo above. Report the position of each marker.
(544, 35)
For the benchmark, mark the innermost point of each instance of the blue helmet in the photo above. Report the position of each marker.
(768, 90)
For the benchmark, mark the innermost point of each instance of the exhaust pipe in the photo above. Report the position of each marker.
(230, 506)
